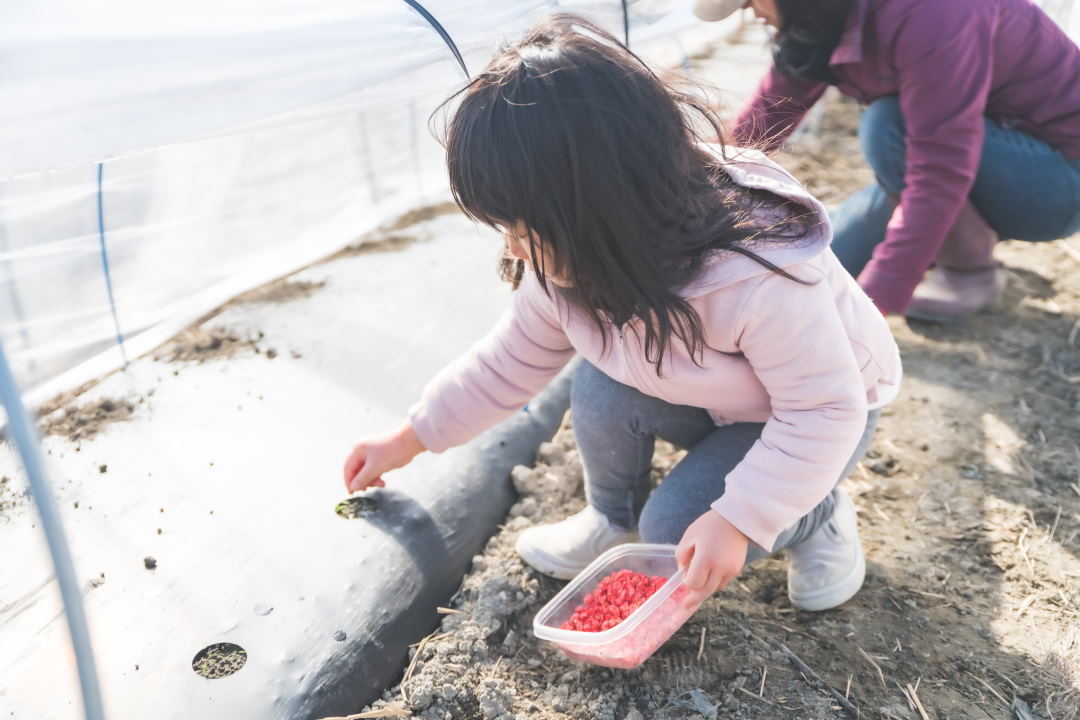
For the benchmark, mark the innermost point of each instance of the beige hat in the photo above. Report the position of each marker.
(713, 10)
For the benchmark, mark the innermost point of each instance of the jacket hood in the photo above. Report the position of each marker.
(752, 169)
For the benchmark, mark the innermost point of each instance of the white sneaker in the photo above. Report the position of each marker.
(565, 548)
(828, 568)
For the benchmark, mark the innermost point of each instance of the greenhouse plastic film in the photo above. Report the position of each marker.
(234, 142)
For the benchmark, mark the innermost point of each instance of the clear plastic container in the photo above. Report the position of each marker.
(635, 639)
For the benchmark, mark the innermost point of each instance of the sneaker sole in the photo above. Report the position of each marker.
(943, 319)
(547, 564)
(929, 317)
(836, 594)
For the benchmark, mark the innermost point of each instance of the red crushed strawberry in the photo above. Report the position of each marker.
(614, 599)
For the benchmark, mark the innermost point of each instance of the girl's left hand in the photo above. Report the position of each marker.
(712, 552)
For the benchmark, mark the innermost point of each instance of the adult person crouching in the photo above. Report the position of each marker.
(972, 129)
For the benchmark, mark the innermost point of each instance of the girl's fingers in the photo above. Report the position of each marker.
(684, 553)
(714, 582)
(364, 476)
(698, 573)
(353, 463)
(697, 595)
(721, 581)
(378, 482)
(693, 599)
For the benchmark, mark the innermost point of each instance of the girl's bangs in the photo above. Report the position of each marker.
(485, 180)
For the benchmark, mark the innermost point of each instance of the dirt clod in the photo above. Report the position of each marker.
(280, 291)
(9, 498)
(423, 214)
(391, 238)
(63, 417)
(149, 562)
(200, 344)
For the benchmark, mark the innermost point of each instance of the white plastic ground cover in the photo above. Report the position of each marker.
(228, 474)
(198, 150)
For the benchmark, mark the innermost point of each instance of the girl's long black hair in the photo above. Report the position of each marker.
(573, 135)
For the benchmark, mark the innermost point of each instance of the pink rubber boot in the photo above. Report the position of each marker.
(965, 277)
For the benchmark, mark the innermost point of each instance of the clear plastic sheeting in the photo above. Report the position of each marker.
(161, 159)
(88, 81)
(187, 227)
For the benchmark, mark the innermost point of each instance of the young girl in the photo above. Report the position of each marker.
(701, 292)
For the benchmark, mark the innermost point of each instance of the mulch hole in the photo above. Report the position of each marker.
(219, 660)
(356, 507)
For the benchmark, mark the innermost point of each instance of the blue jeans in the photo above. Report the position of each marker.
(1025, 189)
(616, 427)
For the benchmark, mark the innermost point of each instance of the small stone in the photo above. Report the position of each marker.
(422, 696)
(551, 453)
(887, 467)
(103, 469)
(524, 479)
(339, 635)
(149, 563)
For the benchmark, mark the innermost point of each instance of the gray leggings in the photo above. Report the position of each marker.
(616, 428)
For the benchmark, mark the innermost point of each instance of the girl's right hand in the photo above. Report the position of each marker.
(376, 454)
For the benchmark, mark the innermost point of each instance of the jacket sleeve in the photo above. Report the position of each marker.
(943, 55)
(775, 110)
(793, 338)
(516, 360)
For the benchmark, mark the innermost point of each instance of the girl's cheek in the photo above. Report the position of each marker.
(515, 250)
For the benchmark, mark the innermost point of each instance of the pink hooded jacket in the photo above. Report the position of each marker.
(807, 360)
